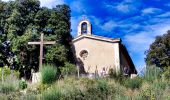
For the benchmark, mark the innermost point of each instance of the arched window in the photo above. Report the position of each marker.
(84, 28)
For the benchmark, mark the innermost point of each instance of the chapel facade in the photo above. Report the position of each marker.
(95, 54)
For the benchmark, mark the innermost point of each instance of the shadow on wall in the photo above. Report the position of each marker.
(129, 61)
(78, 61)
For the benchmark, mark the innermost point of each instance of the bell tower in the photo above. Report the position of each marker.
(84, 27)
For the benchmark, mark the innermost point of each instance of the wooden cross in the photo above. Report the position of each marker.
(41, 43)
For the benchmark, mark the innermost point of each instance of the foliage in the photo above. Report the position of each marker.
(48, 74)
(152, 73)
(166, 73)
(22, 21)
(22, 84)
(7, 72)
(159, 51)
(71, 88)
(133, 83)
(82, 89)
(8, 86)
(30, 97)
(116, 75)
(41, 87)
(68, 69)
(57, 54)
(53, 94)
(112, 73)
(154, 91)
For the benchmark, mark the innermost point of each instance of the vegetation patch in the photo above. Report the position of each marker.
(48, 74)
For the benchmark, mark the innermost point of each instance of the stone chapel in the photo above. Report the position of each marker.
(97, 54)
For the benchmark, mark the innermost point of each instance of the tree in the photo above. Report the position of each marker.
(22, 21)
(159, 51)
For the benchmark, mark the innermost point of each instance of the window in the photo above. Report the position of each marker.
(84, 54)
(84, 28)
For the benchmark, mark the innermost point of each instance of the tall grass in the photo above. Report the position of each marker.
(152, 73)
(135, 83)
(9, 85)
(48, 74)
(83, 89)
(52, 94)
(149, 87)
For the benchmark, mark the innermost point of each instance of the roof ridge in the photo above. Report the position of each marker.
(97, 38)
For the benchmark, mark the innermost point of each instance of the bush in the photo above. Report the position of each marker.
(22, 84)
(166, 73)
(112, 73)
(152, 73)
(41, 88)
(7, 72)
(102, 85)
(68, 69)
(133, 83)
(29, 97)
(9, 85)
(7, 88)
(48, 74)
(118, 76)
(52, 94)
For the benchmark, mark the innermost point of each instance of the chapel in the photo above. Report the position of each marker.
(96, 54)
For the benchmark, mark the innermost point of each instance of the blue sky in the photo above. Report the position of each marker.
(136, 22)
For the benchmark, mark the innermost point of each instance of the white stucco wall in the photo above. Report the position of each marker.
(100, 54)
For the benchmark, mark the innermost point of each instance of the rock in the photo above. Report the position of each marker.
(36, 77)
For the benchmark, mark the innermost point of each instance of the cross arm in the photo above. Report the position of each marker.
(49, 42)
(31, 43)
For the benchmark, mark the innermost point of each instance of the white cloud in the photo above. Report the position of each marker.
(139, 41)
(151, 11)
(51, 3)
(7, 0)
(78, 7)
(167, 14)
(47, 3)
(123, 8)
(99, 27)
(109, 26)
(126, 6)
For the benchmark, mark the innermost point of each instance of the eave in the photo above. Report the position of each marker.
(99, 38)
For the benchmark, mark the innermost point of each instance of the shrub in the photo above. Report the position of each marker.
(112, 73)
(48, 74)
(68, 69)
(42, 87)
(29, 97)
(102, 85)
(152, 73)
(22, 84)
(7, 88)
(52, 94)
(7, 72)
(133, 83)
(9, 85)
(118, 76)
(166, 73)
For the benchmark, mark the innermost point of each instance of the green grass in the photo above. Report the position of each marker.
(48, 74)
(149, 87)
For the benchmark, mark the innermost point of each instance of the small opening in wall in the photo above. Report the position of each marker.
(84, 54)
(84, 28)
